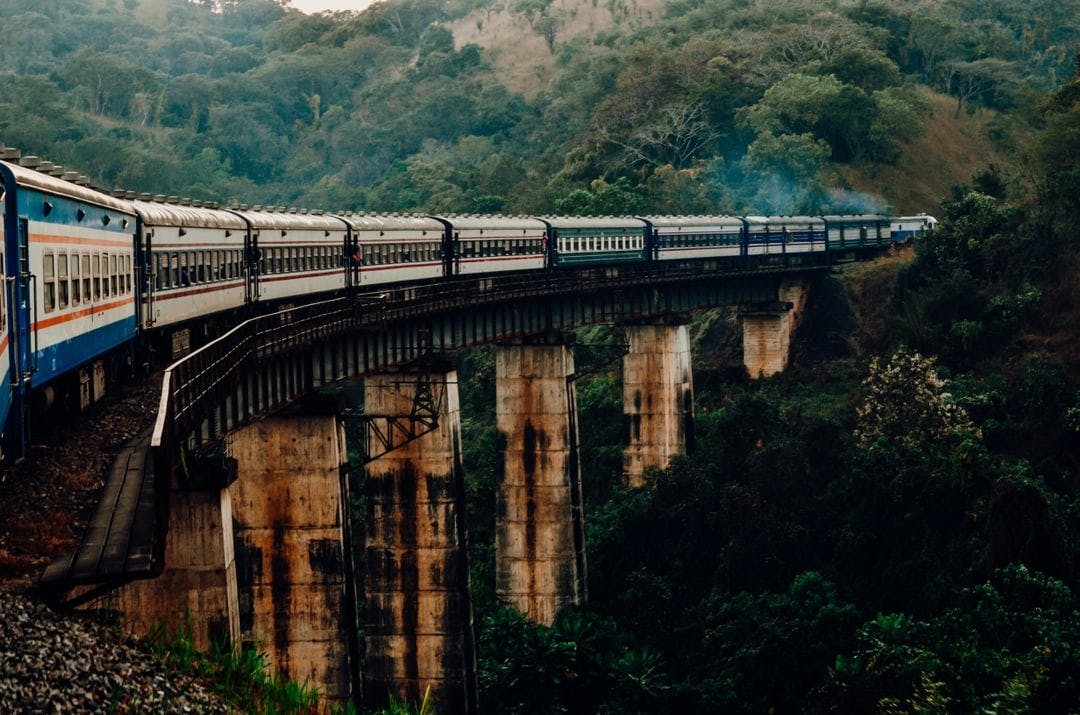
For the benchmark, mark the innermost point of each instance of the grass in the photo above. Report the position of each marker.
(243, 679)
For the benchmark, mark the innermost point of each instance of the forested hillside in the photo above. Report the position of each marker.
(532, 105)
(891, 526)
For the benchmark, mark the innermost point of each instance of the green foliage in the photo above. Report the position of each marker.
(905, 406)
(1009, 645)
(575, 665)
(241, 678)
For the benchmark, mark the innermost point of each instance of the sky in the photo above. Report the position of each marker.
(310, 6)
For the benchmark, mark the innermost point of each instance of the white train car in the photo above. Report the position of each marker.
(902, 228)
(295, 254)
(683, 237)
(192, 262)
(493, 244)
(387, 248)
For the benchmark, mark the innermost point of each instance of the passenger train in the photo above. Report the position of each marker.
(92, 278)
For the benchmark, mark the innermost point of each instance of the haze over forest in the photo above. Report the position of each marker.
(890, 526)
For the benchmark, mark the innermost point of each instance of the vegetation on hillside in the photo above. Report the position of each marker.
(746, 106)
(890, 529)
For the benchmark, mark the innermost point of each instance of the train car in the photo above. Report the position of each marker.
(684, 237)
(801, 234)
(902, 228)
(385, 248)
(586, 240)
(775, 235)
(293, 254)
(191, 262)
(70, 291)
(851, 231)
(493, 244)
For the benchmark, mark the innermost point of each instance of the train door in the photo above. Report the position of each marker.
(25, 282)
(254, 266)
(19, 299)
(147, 276)
(352, 257)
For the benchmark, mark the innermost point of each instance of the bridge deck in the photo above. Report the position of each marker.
(119, 542)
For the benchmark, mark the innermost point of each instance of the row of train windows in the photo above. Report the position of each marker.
(83, 278)
(849, 233)
(381, 254)
(176, 269)
(299, 258)
(573, 244)
(684, 240)
(502, 247)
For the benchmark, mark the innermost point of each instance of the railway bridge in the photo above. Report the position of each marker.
(233, 513)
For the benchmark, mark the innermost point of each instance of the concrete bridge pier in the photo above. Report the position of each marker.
(197, 590)
(658, 397)
(539, 541)
(262, 561)
(768, 329)
(418, 618)
(289, 510)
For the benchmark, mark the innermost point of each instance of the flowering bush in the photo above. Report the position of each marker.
(907, 406)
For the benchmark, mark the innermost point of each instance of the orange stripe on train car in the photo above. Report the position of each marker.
(83, 312)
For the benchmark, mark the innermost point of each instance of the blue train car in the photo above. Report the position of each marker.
(70, 292)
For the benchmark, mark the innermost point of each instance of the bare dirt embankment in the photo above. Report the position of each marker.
(46, 499)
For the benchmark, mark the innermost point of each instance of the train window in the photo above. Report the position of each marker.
(62, 279)
(86, 295)
(76, 282)
(115, 275)
(96, 260)
(48, 279)
(105, 275)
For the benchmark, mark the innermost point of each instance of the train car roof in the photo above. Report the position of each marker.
(262, 218)
(681, 222)
(592, 221)
(390, 222)
(781, 220)
(853, 218)
(492, 222)
(32, 179)
(153, 213)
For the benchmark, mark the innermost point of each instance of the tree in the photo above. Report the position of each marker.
(966, 81)
(905, 404)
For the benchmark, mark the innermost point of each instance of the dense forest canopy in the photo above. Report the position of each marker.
(680, 106)
(890, 527)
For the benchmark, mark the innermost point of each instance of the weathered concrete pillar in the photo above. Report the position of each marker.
(658, 397)
(288, 512)
(539, 538)
(198, 586)
(768, 329)
(418, 617)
